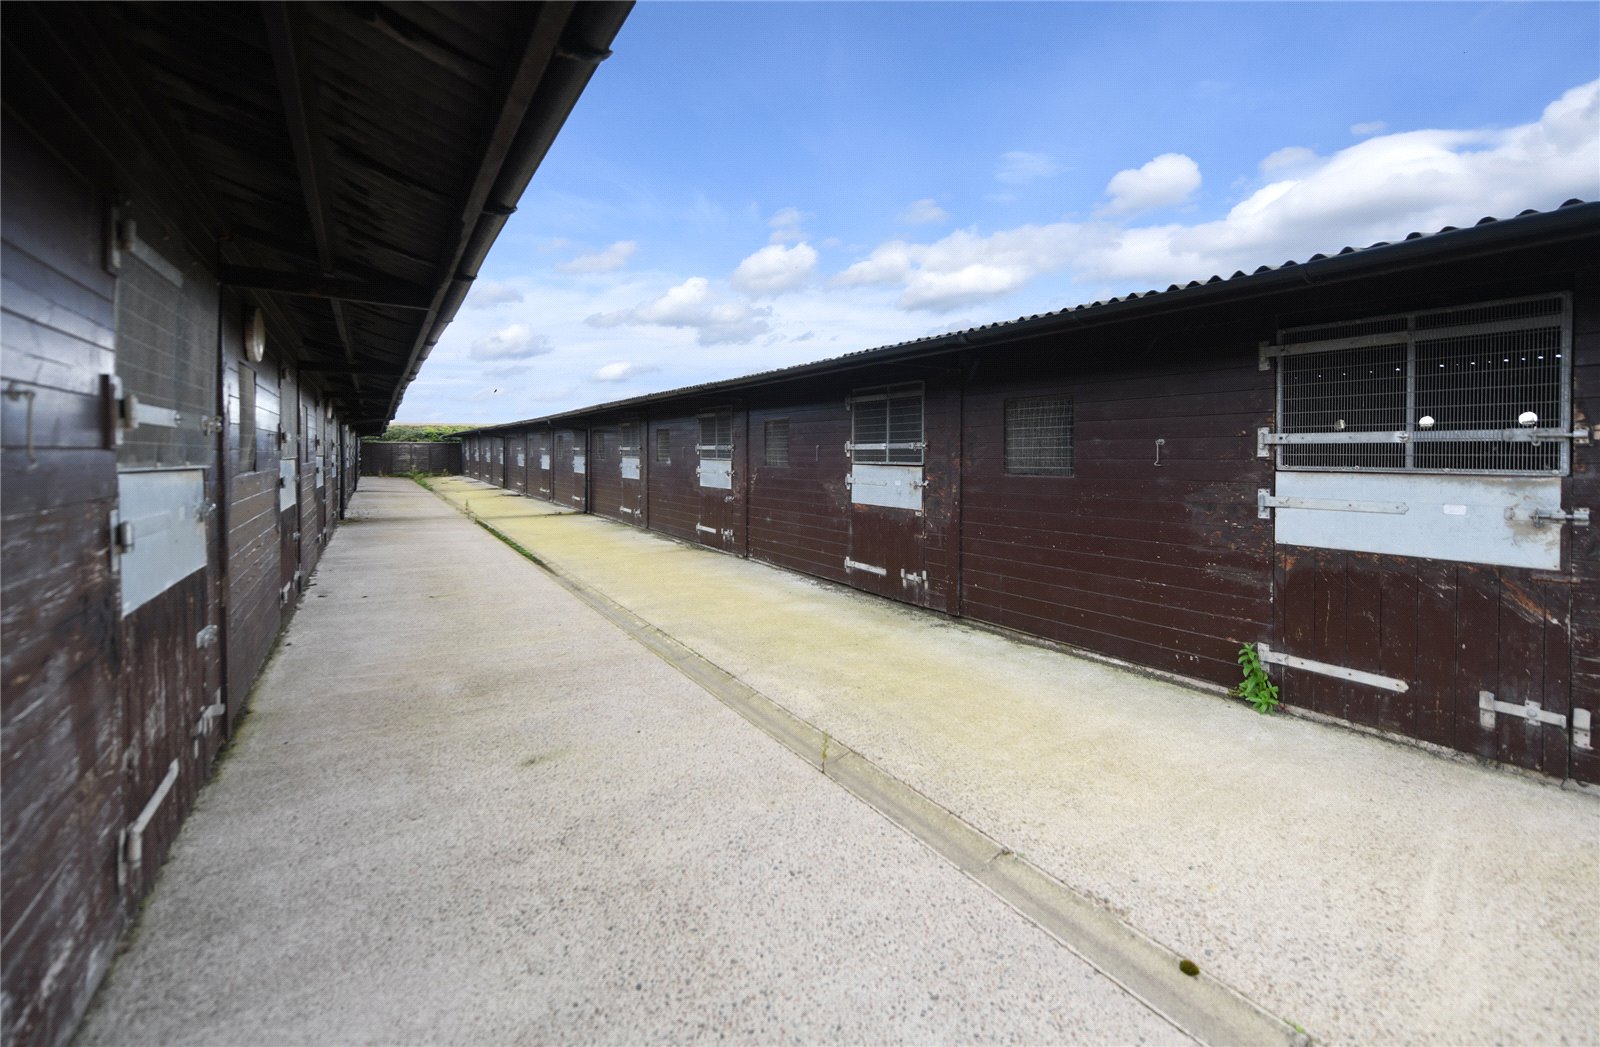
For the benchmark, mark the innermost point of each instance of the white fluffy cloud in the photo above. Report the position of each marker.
(1018, 168)
(785, 226)
(608, 260)
(963, 267)
(512, 342)
(621, 371)
(775, 269)
(1170, 178)
(889, 263)
(1371, 127)
(691, 305)
(924, 212)
(490, 293)
(1377, 189)
(1288, 159)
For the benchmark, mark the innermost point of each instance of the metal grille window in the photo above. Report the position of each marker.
(630, 439)
(777, 442)
(1476, 389)
(664, 446)
(716, 434)
(886, 425)
(1039, 436)
(166, 341)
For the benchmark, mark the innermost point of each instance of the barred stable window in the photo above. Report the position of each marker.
(716, 434)
(166, 340)
(630, 439)
(886, 425)
(777, 441)
(664, 446)
(1475, 389)
(1039, 436)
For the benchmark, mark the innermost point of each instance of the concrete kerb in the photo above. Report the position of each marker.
(1200, 1006)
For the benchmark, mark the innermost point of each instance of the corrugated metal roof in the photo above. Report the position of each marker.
(1403, 253)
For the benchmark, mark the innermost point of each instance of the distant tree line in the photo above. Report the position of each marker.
(432, 433)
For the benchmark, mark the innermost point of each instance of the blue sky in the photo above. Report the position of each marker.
(749, 186)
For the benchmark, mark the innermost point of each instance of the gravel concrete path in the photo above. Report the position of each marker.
(466, 809)
(1365, 890)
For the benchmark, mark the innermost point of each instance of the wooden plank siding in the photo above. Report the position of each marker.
(250, 510)
(1164, 565)
(605, 473)
(1583, 543)
(673, 490)
(97, 705)
(799, 512)
(401, 458)
(61, 724)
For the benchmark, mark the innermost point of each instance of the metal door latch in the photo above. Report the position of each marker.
(1578, 517)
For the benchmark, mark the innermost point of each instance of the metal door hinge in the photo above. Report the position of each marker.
(856, 565)
(121, 534)
(1489, 706)
(1310, 665)
(211, 712)
(206, 637)
(1266, 501)
(1581, 728)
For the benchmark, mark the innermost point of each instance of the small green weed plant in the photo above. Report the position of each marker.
(1255, 688)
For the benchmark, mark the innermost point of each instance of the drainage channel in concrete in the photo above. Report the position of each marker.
(1198, 1004)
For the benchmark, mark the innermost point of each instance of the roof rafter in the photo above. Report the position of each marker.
(396, 294)
(295, 87)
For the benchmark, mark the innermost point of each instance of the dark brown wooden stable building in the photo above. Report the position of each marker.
(1375, 465)
(232, 233)
(402, 457)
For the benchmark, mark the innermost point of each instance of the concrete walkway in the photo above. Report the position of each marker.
(465, 808)
(1367, 891)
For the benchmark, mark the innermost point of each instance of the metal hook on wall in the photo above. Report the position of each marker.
(1161, 442)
